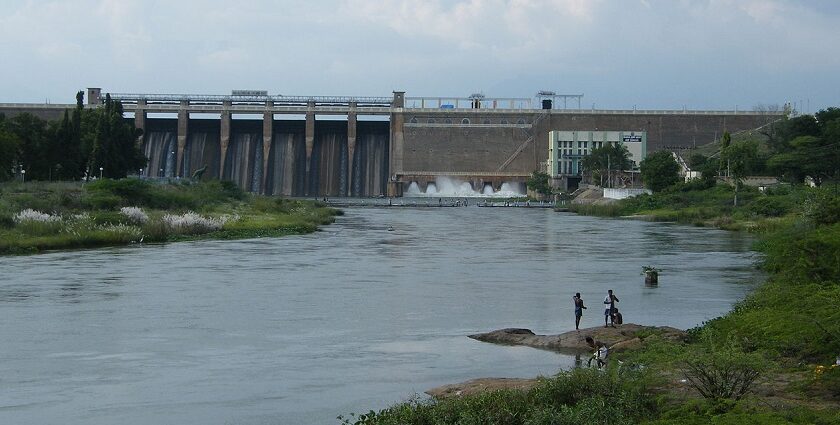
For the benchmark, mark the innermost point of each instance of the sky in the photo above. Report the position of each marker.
(648, 54)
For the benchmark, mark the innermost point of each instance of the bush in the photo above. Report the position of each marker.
(771, 206)
(822, 207)
(571, 397)
(721, 372)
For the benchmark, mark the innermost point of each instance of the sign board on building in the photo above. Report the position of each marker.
(632, 138)
(249, 93)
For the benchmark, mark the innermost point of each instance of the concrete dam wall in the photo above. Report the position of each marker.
(384, 152)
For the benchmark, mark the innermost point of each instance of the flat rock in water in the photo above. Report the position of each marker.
(575, 341)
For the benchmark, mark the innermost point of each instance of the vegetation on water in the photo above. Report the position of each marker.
(38, 216)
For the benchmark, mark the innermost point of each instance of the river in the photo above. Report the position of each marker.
(356, 317)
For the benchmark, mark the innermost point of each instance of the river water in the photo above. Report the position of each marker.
(356, 317)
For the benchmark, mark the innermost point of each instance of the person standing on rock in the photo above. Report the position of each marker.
(578, 309)
(609, 306)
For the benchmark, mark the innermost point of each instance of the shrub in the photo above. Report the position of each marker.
(771, 206)
(32, 215)
(101, 201)
(721, 371)
(822, 207)
(192, 223)
(135, 215)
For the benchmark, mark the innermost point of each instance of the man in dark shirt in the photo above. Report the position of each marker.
(578, 309)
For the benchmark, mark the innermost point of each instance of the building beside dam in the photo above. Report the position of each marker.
(566, 150)
(379, 146)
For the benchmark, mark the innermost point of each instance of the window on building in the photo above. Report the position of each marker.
(431, 121)
(465, 121)
(521, 121)
(448, 121)
(413, 120)
(487, 121)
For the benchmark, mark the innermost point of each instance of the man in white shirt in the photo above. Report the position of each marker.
(609, 306)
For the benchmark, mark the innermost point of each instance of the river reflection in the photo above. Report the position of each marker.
(304, 328)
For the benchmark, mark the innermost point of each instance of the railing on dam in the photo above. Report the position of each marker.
(239, 99)
(593, 111)
(463, 173)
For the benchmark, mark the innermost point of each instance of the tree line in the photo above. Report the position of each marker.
(74, 147)
(793, 149)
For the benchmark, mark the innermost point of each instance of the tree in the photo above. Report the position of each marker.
(813, 152)
(113, 144)
(538, 182)
(659, 170)
(33, 135)
(740, 158)
(9, 145)
(607, 161)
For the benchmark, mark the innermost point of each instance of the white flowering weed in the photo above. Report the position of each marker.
(32, 215)
(135, 215)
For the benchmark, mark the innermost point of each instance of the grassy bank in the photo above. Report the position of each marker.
(39, 216)
(768, 361)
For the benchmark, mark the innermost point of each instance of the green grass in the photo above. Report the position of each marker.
(90, 215)
(571, 397)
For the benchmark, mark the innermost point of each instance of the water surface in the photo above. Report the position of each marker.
(301, 329)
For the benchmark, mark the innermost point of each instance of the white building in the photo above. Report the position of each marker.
(566, 149)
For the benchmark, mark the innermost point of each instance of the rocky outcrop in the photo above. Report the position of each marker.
(627, 336)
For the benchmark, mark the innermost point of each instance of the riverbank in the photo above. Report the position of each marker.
(766, 361)
(38, 216)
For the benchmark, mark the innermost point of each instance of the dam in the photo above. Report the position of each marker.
(378, 146)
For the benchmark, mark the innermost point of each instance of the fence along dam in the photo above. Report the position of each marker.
(379, 146)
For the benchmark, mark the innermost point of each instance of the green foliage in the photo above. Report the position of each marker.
(82, 140)
(659, 170)
(606, 160)
(112, 194)
(704, 412)
(114, 142)
(571, 397)
(538, 182)
(90, 217)
(807, 146)
(721, 371)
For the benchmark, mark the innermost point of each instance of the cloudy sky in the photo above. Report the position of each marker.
(704, 54)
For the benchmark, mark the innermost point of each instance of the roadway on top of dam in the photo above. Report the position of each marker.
(324, 105)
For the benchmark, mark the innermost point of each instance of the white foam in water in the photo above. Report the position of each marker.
(449, 187)
(413, 189)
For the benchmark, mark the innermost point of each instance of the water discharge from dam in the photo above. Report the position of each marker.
(160, 149)
(452, 187)
(331, 169)
(202, 149)
(286, 166)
